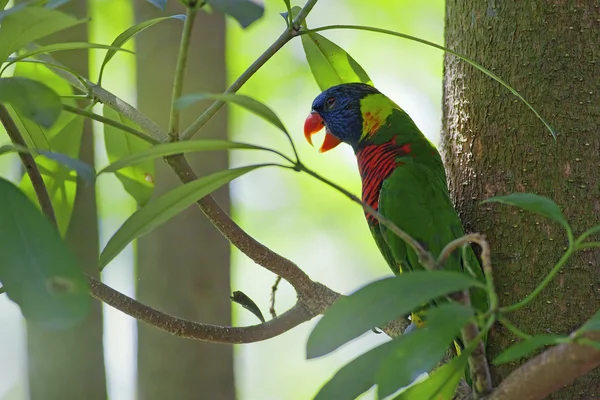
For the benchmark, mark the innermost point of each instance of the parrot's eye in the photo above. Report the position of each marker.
(330, 103)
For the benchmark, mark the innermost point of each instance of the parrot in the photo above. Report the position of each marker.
(403, 178)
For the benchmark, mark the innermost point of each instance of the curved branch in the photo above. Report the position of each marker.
(196, 330)
(550, 371)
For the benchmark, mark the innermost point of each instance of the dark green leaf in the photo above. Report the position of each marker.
(357, 376)
(248, 103)
(128, 34)
(30, 24)
(378, 303)
(526, 347)
(532, 202)
(330, 64)
(422, 349)
(31, 99)
(137, 179)
(592, 324)
(163, 208)
(167, 149)
(244, 11)
(160, 4)
(38, 271)
(242, 299)
(360, 374)
(441, 383)
(51, 48)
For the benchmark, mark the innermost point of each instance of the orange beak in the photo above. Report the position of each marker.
(313, 124)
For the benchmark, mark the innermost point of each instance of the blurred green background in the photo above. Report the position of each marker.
(293, 214)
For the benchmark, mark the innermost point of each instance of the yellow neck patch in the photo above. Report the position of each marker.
(375, 109)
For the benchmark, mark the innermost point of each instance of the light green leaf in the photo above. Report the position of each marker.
(84, 170)
(532, 202)
(30, 24)
(51, 48)
(130, 33)
(38, 271)
(440, 384)
(247, 102)
(60, 182)
(63, 137)
(244, 11)
(167, 149)
(138, 179)
(525, 347)
(380, 302)
(422, 349)
(31, 99)
(295, 11)
(165, 207)
(330, 64)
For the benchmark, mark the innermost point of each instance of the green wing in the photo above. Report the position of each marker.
(415, 197)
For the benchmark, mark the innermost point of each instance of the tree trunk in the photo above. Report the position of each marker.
(494, 145)
(70, 364)
(183, 266)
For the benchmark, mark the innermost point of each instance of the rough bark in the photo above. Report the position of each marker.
(70, 364)
(494, 145)
(183, 266)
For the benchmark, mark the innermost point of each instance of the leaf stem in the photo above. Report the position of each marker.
(111, 122)
(513, 328)
(30, 166)
(424, 256)
(285, 37)
(447, 50)
(543, 284)
(180, 70)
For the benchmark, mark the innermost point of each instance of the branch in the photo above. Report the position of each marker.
(195, 330)
(549, 371)
(30, 166)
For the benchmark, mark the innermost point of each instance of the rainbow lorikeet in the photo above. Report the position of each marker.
(403, 177)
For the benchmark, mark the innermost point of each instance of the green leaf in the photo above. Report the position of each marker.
(165, 207)
(248, 103)
(243, 300)
(130, 33)
(592, 324)
(357, 376)
(441, 383)
(38, 271)
(330, 64)
(526, 347)
(84, 170)
(30, 24)
(532, 202)
(138, 179)
(60, 182)
(167, 149)
(378, 303)
(295, 11)
(244, 11)
(32, 99)
(370, 368)
(51, 48)
(422, 349)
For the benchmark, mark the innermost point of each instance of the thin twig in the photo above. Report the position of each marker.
(30, 166)
(273, 291)
(180, 68)
(111, 122)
